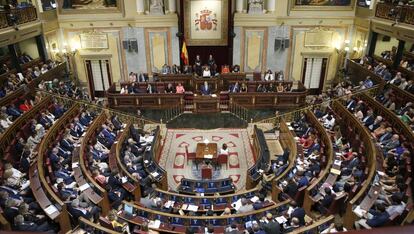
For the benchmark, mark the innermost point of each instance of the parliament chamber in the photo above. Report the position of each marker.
(206, 116)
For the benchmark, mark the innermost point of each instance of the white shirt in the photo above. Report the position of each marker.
(224, 151)
(5, 123)
(269, 76)
(206, 73)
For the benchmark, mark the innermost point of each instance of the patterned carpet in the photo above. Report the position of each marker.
(174, 161)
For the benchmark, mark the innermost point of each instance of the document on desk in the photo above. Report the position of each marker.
(154, 174)
(208, 156)
(124, 179)
(335, 171)
(84, 187)
(281, 219)
(338, 162)
(154, 224)
(169, 204)
(193, 208)
(254, 199)
(237, 204)
(51, 209)
(358, 211)
(75, 165)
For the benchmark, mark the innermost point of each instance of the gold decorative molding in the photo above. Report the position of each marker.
(294, 7)
(147, 33)
(263, 52)
(201, 42)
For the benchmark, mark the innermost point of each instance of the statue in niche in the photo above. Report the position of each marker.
(255, 7)
(157, 7)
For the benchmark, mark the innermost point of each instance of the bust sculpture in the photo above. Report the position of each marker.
(255, 7)
(156, 7)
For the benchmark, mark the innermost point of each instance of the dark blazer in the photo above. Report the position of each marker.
(272, 227)
(299, 213)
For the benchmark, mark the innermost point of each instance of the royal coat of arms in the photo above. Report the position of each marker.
(205, 20)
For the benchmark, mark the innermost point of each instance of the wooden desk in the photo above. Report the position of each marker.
(206, 149)
(206, 104)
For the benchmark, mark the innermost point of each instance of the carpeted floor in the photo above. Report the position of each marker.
(173, 157)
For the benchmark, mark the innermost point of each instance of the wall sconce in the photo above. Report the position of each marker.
(342, 48)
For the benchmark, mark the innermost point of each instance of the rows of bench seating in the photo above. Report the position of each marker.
(405, 135)
(363, 144)
(407, 73)
(207, 187)
(44, 172)
(132, 186)
(262, 157)
(151, 158)
(19, 128)
(195, 86)
(6, 75)
(84, 165)
(172, 223)
(324, 151)
(54, 73)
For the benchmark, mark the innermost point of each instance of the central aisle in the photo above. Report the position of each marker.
(173, 158)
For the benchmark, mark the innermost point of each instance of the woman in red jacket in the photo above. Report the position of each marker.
(25, 106)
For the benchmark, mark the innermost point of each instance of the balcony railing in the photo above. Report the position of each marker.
(404, 14)
(21, 16)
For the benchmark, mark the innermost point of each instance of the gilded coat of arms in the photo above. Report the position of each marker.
(205, 20)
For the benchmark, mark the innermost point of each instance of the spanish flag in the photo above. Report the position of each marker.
(184, 53)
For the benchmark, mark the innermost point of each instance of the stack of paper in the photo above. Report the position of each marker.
(192, 208)
(84, 187)
(335, 171)
(254, 199)
(358, 211)
(208, 156)
(237, 204)
(51, 209)
(154, 224)
(281, 219)
(75, 164)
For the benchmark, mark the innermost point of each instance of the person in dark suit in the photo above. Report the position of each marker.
(235, 88)
(22, 225)
(298, 212)
(325, 202)
(205, 89)
(151, 89)
(10, 211)
(169, 88)
(116, 122)
(294, 223)
(369, 118)
(269, 225)
(379, 217)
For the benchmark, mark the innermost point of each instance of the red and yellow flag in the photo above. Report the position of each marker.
(184, 53)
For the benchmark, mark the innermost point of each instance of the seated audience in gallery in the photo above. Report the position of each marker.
(24, 58)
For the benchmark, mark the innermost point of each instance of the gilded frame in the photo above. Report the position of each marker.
(119, 9)
(223, 41)
(294, 7)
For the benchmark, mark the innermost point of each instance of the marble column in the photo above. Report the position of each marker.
(171, 6)
(239, 6)
(140, 6)
(271, 5)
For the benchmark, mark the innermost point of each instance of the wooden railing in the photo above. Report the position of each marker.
(115, 164)
(167, 227)
(10, 134)
(315, 227)
(261, 152)
(56, 72)
(404, 14)
(104, 204)
(325, 138)
(287, 141)
(370, 154)
(23, 15)
(51, 135)
(92, 227)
